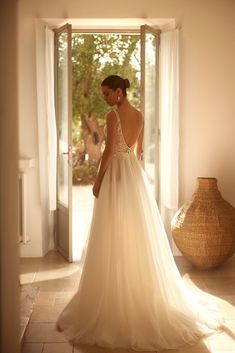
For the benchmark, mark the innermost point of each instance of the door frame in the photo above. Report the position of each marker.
(156, 33)
(64, 212)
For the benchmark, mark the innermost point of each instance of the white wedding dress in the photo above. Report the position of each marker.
(131, 294)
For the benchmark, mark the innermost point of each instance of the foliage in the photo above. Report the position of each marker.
(84, 173)
(95, 56)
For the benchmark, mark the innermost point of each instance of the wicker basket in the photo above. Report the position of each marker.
(204, 228)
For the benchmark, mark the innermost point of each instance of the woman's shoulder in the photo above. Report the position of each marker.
(112, 115)
(111, 118)
(135, 110)
(130, 110)
(137, 113)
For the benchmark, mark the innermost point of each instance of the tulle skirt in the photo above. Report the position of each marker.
(131, 294)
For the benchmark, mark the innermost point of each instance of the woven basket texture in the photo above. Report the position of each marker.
(204, 228)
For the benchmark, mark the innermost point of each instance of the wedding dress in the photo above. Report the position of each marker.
(131, 294)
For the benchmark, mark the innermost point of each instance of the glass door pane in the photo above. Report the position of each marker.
(64, 128)
(149, 103)
(62, 119)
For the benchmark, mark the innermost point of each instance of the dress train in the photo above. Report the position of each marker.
(131, 294)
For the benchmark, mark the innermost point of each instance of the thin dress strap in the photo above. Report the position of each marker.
(117, 115)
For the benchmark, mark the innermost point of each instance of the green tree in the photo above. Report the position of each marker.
(95, 56)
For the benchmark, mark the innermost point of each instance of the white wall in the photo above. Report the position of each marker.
(207, 82)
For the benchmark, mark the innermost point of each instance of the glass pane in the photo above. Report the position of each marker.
(62, 116)
(150, 132)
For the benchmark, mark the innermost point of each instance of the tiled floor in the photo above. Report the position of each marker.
(58, 280)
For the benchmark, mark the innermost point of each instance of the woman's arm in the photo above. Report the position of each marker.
(139, 148)
(108, 151)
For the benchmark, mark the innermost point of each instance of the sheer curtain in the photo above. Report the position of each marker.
(169, 126)
(47, 144)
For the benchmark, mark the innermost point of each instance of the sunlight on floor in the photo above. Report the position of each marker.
(58, 281)
(82, 211)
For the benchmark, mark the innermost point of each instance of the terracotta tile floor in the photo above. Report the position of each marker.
(58, 280)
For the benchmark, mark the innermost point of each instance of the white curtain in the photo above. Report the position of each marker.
(169, 125)
(46, 130)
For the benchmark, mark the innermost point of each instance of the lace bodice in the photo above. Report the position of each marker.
(121, 145)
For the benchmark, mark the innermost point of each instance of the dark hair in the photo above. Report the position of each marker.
(115, 81)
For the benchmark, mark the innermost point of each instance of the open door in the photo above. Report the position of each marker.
(150, 103)
(63, 75)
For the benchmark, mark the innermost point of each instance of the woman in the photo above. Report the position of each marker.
(131, 124)
(131, 294)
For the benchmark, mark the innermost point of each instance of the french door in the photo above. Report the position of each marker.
(150, 39)
(149, 107)
(63, 75)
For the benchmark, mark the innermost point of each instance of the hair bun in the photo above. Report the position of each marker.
(127, 83)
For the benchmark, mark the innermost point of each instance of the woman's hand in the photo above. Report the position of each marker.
(96, 188)
(139, 154)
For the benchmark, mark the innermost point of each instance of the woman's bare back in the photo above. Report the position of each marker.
(131, 124)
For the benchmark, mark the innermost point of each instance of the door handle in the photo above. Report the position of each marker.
(70, 154)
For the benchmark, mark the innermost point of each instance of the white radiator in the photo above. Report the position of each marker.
(23, 236)
(24, 165)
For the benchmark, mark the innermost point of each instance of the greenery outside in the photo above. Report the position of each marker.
(95, 56)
